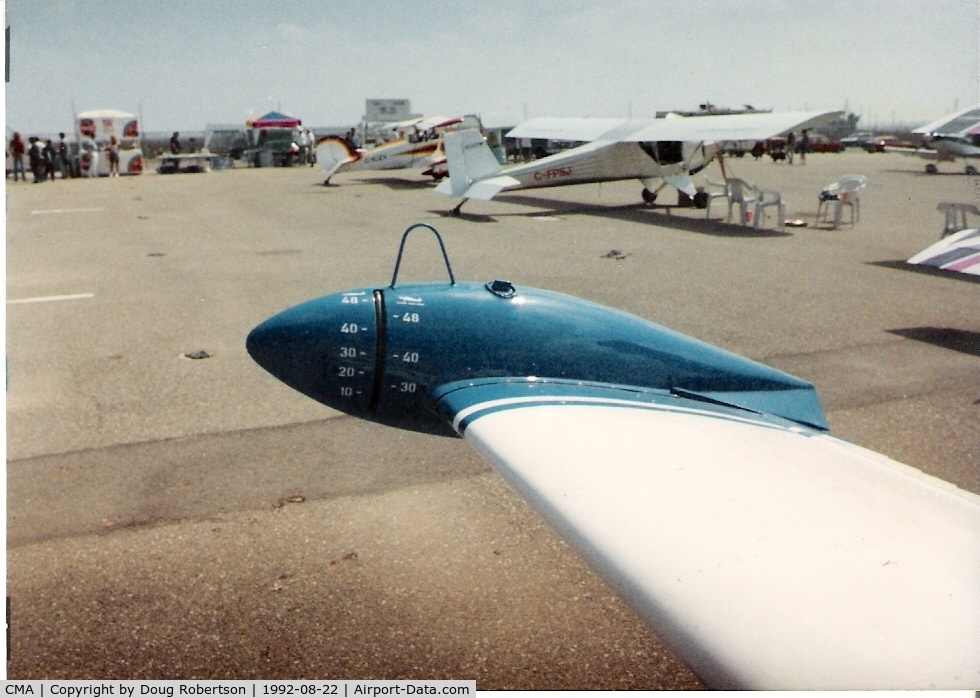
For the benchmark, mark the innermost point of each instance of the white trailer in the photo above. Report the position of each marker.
(93, 130)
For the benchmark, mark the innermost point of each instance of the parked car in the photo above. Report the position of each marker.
(857, 140)
(877, 145)
(820, 143)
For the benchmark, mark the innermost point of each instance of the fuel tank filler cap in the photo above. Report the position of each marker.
(504, 289)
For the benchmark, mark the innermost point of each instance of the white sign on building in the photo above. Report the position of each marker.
(376, 110)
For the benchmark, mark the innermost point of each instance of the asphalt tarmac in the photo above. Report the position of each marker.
(176, 517)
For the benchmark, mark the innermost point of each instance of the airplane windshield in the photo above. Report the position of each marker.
(664, 152)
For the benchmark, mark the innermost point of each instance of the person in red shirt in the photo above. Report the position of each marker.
(17, 150)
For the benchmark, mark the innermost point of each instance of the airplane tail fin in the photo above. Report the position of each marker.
(332, 153)
(474, 172)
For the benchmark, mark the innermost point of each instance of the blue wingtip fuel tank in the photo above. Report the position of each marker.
(382, 353)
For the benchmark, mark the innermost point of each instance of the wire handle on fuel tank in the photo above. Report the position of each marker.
(401, 249)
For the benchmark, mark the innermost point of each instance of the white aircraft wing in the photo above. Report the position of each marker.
(731, 127)
(958, 252)
(959, 123)
(568, 129)
(728, 127)
(765, 554)
(398, 125)
(437, 122)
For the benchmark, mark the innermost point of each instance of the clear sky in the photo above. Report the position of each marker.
(182, 64)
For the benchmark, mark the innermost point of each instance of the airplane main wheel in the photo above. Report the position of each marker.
(648, 196)
(931, 169)
(971, 170)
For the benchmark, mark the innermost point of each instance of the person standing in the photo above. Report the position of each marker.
(804, 146)
(47, 158)
(17, 150)
(175, 144)
(303, 144)
(34, 157)
(790, 147)
(113, 150)
(64, 157)
(90, 155)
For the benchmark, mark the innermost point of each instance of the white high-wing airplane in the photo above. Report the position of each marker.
(954, 136)
(700, 485)
(414, 143)
(656, 152)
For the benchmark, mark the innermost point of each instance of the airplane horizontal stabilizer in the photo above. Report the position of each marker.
(483, 190)
(446, 187)
(486, 189)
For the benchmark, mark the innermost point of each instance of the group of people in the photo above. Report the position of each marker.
(784, 149)
(306, 148)
(46, 158)
(801, 147)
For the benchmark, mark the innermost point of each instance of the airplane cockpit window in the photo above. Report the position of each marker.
(664, 152)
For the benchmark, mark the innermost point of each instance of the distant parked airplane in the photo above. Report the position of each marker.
(414, 143)
(954, 136)
(654, 151)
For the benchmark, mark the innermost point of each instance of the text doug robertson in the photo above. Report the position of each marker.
(97, 691)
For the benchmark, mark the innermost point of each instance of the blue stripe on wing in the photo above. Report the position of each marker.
(466, 401)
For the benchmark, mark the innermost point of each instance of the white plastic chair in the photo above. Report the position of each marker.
(844, 192)
(712, 191)
(767, 198)
(956, 216)
(742, 194)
